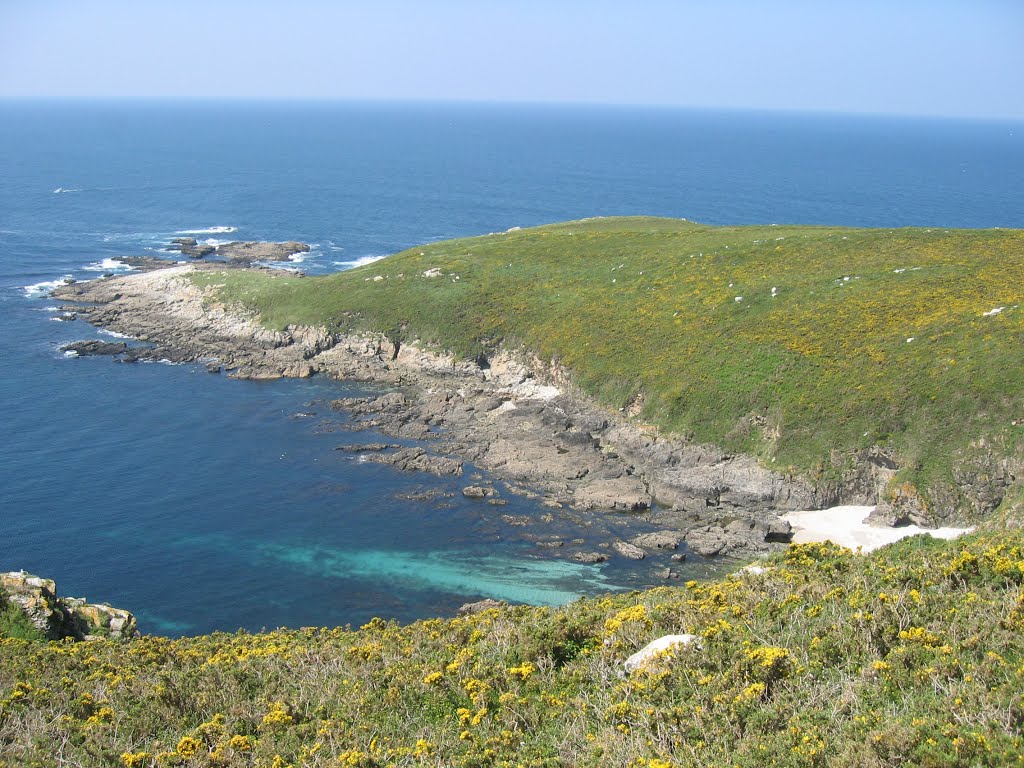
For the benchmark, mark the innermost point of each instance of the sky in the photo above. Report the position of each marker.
(958, 58)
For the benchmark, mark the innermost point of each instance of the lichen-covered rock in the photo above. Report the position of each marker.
(58, 618)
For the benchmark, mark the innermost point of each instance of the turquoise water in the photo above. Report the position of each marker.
(204, 503)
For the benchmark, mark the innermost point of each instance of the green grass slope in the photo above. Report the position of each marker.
(913, 655)
(789, 343)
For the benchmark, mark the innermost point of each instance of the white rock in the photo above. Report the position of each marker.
(653, 648)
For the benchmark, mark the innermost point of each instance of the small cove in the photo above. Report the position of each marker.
(204, 503)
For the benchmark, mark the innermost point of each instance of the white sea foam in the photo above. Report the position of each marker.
(207, 231)
(43, 288)
(62, 190)
(312, 253)
(358, 262)
(115, 334)
(216, 242)
(107, 265)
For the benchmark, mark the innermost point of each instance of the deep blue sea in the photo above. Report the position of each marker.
(204, 503)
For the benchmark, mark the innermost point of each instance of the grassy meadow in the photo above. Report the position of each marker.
(796, 344)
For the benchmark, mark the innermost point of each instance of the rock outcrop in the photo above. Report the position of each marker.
(242, 251)
(61, 617)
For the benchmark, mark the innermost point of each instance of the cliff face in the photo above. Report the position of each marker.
(61, 617)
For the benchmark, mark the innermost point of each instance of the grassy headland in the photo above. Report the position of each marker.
(799, 345)
(913, 655)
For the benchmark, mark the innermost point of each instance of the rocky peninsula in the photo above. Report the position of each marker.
(523, 422)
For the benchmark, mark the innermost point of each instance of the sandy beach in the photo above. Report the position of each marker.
(845, 526)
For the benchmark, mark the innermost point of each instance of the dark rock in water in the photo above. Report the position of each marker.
(188, 246)
(477, 492)
(255, 251)
(496, 502)
(480, 606)
(679, 557)
(517, 521)
(589, 557)
(556, 544)
(667, 573)
(65, 317)
(428, 495)
(366, 447)
(418, 460)
(146, 263)
(95, 347)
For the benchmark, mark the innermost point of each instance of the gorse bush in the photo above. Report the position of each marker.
(909, 656)
(795, 344)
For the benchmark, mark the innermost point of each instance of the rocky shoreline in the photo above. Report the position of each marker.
(514, 417)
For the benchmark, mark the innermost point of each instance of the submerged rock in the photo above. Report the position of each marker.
(590, 557)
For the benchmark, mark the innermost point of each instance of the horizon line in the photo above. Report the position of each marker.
(550, 103)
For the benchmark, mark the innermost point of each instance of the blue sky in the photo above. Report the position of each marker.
(961, 58)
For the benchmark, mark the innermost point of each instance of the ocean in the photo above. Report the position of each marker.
(203, 503)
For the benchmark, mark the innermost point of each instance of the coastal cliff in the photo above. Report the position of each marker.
(57, 618)
(718, 375)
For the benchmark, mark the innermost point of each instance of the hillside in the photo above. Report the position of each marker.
(818, 350)
(912, 655)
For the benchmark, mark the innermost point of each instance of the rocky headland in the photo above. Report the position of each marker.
(511, 415)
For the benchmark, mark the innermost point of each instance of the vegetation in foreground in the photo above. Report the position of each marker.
(799, 345)
(910, 656)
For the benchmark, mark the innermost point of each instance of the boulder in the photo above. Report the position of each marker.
(628, 550)
(655, 648)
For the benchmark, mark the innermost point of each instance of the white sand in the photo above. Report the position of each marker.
(845, 526)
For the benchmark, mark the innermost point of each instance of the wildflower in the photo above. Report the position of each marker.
(188, 746)
(523, 671)
(277, 715)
